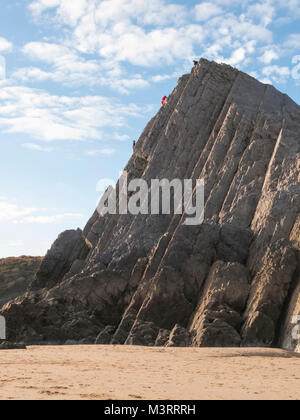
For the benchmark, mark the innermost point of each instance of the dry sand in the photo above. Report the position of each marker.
(120, 372)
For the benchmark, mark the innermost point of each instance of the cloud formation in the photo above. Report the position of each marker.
(15, 213)
(103, 152)
(127, 45)
(5, 45)
(37, 147)
(47, 117)
(148, 35)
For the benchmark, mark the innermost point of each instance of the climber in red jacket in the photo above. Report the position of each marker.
(164, 100)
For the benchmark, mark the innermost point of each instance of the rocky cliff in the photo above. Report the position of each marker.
(152, 280)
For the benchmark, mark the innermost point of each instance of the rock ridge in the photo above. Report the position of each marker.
(151, 280)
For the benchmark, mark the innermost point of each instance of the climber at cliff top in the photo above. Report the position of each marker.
(164, 100)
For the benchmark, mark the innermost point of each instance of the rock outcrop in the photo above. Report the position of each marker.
(151, 279)
(6, 345)
(66, 256)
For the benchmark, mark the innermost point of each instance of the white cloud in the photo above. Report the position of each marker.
(39, 6)
(65, 61)
(250, 46)
(263, 12)
(293, 41)
(104, 152)
(37, 147)
(142, 33)
(5, 45)
(15, 213)
(57, 218)
(2, 68)
(149, 34)
(121, 137)
(107, 12)
(11, 212)
(238, 28)
(162, 77)
(269, 56)
(45, 51)
(159, 47)
(282, 71)
(276, 73)
(291, 7)
(156, 34)
(67, 67)
(68, 10)
(125, 85)
(50, 117)
(205, 11)
(31, 74)
(241, 3)
(237, 56)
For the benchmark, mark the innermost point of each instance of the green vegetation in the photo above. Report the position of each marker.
(15, 276)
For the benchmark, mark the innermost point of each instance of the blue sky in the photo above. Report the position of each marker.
(79, 79)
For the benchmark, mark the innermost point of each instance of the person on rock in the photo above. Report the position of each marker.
(164, 100)
(195, 62)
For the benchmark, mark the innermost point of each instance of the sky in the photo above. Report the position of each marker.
(79, 80)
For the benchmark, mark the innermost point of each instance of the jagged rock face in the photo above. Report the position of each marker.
(66, 255)
(218, 318)
(289, 334)
(152, 280)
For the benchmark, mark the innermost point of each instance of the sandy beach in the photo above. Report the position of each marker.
(134, 373)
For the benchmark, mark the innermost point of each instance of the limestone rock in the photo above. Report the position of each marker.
(289, 335)
(162, 338)
(106, 335)
(234, 280)
(269, 291)
(67, 250)
(179, 337)
(217, 321)
(259, 330)
(143, 334)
